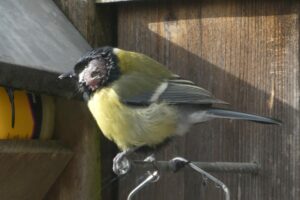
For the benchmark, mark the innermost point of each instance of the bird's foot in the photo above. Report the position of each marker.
(121, 164)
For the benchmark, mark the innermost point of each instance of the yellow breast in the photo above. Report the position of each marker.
(131, 126)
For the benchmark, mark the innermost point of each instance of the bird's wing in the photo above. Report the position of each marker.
(137, 89)
(180, 91)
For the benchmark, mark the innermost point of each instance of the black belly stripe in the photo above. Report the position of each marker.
(35, 102)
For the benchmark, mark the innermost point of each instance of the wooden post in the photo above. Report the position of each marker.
(76, 129)
(81, 180)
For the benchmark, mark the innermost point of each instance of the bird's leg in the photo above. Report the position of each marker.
(121, 164)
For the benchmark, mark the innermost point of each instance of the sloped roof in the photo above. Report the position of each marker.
(35, 35)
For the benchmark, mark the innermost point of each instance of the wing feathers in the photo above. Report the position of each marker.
(172, 91)
(181, 91)
(181, 81)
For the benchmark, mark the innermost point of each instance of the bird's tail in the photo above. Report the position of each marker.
(229, 114)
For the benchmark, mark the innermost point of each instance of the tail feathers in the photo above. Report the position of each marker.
(228, 114)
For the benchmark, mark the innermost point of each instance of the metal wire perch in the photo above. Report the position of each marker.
(151, 178)
(204, 173)
(174, 165)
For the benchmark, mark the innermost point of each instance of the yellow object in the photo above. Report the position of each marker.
(25, 115)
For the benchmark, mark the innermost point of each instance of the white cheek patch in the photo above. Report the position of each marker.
(116, 50)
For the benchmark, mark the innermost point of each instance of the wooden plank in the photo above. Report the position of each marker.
(37, 81)
(75, 127)
(29, 168)
(246, 53)
(97, 24)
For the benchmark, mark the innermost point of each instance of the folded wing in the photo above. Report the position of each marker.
(136, 89)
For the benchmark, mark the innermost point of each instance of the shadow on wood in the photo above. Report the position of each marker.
(246, 53)
(29, 168)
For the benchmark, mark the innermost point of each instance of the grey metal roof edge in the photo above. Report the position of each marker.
(36, 33)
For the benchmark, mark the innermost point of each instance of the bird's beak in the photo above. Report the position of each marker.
(70, 74)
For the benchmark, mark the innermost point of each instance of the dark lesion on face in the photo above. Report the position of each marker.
(97, 69)
(94, 75)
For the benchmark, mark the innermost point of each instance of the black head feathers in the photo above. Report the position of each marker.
(97, 68)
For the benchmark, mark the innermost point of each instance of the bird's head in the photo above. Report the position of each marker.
(94, 70)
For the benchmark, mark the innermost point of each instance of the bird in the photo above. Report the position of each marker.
(136, 101)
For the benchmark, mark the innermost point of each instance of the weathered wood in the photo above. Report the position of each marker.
(246, 53)
(29, 168)
(75, 128)
(96, 23)
(35, 80)
(81, 180)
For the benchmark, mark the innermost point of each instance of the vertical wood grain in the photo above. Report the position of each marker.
(76, 129)
(246, 53)
(91, 164)
(96, 23)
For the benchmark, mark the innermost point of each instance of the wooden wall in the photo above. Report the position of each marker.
(75, 127)
(246, 53)
(96, 23)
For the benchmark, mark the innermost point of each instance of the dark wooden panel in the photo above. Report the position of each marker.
(74, 124)
(246, 54)
(29, 168)
(75, 127)
(35, 80)
(95, 23)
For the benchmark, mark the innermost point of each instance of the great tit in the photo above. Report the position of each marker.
(136, 101)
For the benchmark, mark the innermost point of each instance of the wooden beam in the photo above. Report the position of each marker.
(35, 80)
(98, 26)
(29, 168)
(75, 127)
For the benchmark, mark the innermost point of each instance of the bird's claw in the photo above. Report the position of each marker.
(121, 164)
